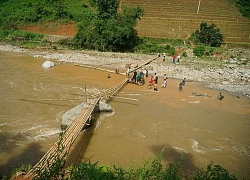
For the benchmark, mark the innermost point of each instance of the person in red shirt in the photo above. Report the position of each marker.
(174, 57)
(151, 82)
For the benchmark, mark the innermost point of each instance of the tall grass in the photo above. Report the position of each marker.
(151, 169)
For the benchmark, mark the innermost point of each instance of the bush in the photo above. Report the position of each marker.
(208, 35)
(150, 169)
(108, 30)
(199, 51)
(184, 54)
(244, 7)
(3, 34)
(212, 172)
(153, 45)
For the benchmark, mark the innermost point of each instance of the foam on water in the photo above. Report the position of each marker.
(240, 149)
(181, 149)
(46, 134)
(30, 129)
(195, 146)
(102, 117)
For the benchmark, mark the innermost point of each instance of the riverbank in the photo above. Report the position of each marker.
(231, 78)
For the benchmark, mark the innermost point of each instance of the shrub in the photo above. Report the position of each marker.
(108, 30)
(212, 172)
(184, 54)
(150, 169)
(208, 35)
(244, 7)
(199, 51)
(153, 45)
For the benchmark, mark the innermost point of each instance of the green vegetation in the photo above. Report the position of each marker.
(101, 27)
(150, 169)
(152, 45)
(17, 13)
(22, 38)
(199, 51)
(244, 7)
(108, 30)
(208, 35)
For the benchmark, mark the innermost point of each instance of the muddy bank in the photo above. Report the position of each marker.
(232, 78)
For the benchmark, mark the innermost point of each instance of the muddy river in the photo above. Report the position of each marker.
(202, 129)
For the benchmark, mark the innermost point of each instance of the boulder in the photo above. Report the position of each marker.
(232, 61)
(71, 115)
(104, 107)
(48, 64)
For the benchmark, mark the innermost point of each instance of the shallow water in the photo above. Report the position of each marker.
(201, 128)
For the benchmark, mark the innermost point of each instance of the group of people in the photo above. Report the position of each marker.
(137, 78)
(153, 82)
(173, 58)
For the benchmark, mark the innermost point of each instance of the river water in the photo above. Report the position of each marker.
(201, 129)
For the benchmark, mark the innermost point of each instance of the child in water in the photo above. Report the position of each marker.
(180, 86)
(151, 81)
(184, 81)
(220, 97)
(164, 82)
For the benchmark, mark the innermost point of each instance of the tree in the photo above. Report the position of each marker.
(108, 30)
(208, 35)
(244, 6)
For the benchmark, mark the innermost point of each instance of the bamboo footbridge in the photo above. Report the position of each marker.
(58, 152)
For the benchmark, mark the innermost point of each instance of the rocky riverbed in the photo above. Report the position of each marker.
(222, 75)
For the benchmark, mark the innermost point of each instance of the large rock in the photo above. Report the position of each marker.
(104, 107)
(48, 64)
(71, 115)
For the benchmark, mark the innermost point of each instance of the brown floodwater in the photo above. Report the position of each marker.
(201, 129)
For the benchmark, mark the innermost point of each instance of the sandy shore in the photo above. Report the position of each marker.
(232, 78)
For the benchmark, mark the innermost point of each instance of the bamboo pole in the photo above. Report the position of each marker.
(125, 98)
(198, 8)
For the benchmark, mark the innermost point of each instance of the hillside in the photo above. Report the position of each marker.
(162, 18)
(178, 18)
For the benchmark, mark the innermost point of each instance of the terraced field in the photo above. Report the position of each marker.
(179, 18)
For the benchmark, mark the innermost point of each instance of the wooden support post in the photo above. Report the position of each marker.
(198, 8)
